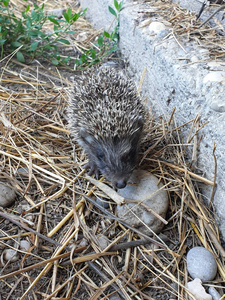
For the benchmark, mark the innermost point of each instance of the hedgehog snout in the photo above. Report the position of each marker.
(120, 184)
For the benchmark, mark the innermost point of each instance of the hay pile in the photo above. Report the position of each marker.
(57, 212)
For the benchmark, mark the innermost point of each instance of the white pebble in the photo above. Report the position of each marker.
(213, 292)
(156, 27)
(201, 264)
(10, 255)
(24, 245)
(195, 287)
(214, 76)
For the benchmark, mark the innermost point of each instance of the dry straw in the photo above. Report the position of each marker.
(68, 259)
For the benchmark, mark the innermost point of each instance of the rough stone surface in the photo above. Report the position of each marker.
(176, 77)
(7, 195)
(197, 290)
(143, 185)
(201, 264)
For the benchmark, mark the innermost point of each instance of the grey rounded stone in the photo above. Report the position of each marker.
(201, 264)
(103, 202)
(218, 106)
(7, 195)
(143, 187)
(213, 292)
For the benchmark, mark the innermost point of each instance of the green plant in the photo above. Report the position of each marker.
(106, 44)
(26, 35)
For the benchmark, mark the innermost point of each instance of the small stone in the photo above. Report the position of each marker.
(24, 245)
(218, 106)
(7, 195)
(156, 27)
(58, 12)
(83, 243)
(213, 292)
(214, 76)
(195, 287)
(194, 59)
(81, 37)
(103, 242)
(103, 202)
(143, 185)
(216, 66)
(10, 255)
(201, 264)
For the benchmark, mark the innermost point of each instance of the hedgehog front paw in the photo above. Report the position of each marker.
(92, 169)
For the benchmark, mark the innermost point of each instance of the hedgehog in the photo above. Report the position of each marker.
(106, 117)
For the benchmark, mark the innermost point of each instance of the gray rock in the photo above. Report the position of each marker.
(103, 202)
(58, 12)
(103, 242)
(143, 185)
(213, 292)
(218, 106)
(22, 173)
(7, 195)
(201, 264)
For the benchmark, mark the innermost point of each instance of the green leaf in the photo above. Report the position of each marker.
(2, 41)
(33, 46)
(116, 4)
(16, 44)
(55, 61)
(75, 17)
(6, 2)
(27, 8)
(20, 57)
(83, 12)
(35, 6)
(66, 16)
(65, 60)
(64, 41)
(106, 34)
(100, 41)
(69, 13)
(120, 6)
(71, 32)
(112, 11)
(53, 20)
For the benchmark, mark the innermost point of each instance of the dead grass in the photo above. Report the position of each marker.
(184, 26)
(67, 259)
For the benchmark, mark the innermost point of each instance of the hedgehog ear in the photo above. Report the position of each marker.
(138, 126)
(140, 123)
(85, 136)
(137, 130)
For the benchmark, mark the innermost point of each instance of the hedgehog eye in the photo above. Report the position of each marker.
(125, 155)
(100, 154)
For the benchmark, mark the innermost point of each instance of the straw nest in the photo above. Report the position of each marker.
(56, 209)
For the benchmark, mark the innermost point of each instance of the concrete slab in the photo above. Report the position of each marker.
(180, 73)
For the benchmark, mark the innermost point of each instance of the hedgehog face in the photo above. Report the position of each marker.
(115, 158)
(116, 162)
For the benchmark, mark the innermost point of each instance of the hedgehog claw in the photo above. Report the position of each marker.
(92, 169)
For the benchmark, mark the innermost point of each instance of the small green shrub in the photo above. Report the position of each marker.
(26, 35)
(107, 43)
